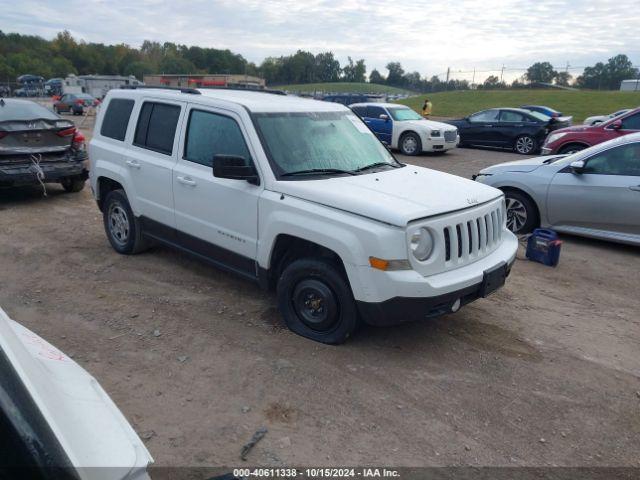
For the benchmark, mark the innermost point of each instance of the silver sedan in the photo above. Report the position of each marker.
(594, 193)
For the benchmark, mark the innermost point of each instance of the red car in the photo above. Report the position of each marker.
(75, 103)
(579, 137)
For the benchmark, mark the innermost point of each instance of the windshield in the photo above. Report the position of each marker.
(401, 114)
(21, 110)
(298, 142)
(540, 116)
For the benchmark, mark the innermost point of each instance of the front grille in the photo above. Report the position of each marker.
(473, 237)
(450, 135)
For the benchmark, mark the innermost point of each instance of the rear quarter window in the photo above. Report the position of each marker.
(116, 118)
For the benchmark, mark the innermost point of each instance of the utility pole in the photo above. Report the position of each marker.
(473, 80)
(446, 85)
(501, 73)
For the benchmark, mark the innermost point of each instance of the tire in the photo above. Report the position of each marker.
(410, 144)
(73, 184)
(571, 148)
(123, 229)
(522, 214)
(525, 145)
(316, 302)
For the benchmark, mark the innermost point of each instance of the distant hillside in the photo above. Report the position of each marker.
(344, 87)
(580, 104)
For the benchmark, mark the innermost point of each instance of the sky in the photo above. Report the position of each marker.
(425, 36)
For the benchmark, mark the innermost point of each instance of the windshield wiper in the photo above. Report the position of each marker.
(311, 171)
(377, 164)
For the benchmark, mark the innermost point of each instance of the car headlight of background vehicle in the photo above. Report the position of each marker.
(435, 133)
(554, 136)
(421, 244)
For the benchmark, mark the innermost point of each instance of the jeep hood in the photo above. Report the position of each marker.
(87, 424)
(396, 196)
(528, 165)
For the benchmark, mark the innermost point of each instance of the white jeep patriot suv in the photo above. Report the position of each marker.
(300, 196)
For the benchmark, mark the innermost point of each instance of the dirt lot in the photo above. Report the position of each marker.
(545, 372)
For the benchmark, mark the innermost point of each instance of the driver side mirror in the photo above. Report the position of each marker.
(577, 166)
(234, 167)
(384, 117)
(617, 125)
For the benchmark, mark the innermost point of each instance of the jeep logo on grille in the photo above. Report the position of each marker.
(472, 201)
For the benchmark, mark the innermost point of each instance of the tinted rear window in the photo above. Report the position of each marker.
(156, 127)
(24, 110)
(116, 118)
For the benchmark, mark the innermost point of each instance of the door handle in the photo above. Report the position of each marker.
(635, 188)
(187, 181)
(133, 164)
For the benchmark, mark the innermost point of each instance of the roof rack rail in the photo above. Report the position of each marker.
(245, 89)
(195, 91)
(192, 91)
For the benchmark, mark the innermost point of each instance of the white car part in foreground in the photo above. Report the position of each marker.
(94, 435)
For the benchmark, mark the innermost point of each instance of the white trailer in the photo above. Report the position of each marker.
(630, 85)
(96, 85)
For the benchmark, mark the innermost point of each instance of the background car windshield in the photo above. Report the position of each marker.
(327, 140)
(539, 116)
(401, 114)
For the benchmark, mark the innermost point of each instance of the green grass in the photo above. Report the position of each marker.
(580, 104)
(342, 87)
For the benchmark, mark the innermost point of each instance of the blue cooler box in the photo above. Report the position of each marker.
(544, 246)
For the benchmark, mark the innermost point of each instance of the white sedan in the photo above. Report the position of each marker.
(402, 128)
(596, 119)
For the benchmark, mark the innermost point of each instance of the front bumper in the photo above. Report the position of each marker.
(409, 309)
(388, 298)
(546, 151)
(439, 144)
(14, 175)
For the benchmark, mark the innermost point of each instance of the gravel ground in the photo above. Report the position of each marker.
(545, 372)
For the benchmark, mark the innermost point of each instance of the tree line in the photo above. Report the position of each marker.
(20, 54)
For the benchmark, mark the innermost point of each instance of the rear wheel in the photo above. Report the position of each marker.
(410, 144)
(522, 215)
(123, 229)
(316, 301)
(73, 184)
(525, 145)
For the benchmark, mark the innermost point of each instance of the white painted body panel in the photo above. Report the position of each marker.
(88, 425)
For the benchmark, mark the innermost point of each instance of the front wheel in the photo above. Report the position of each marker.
(316, 302)
(410, 144)
(522, 215)
(525, 145)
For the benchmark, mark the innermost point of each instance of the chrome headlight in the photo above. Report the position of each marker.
(421, 244)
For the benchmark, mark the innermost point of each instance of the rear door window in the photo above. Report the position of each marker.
(116, 118)
(156, 127)
(486, 116)
(511, 117)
